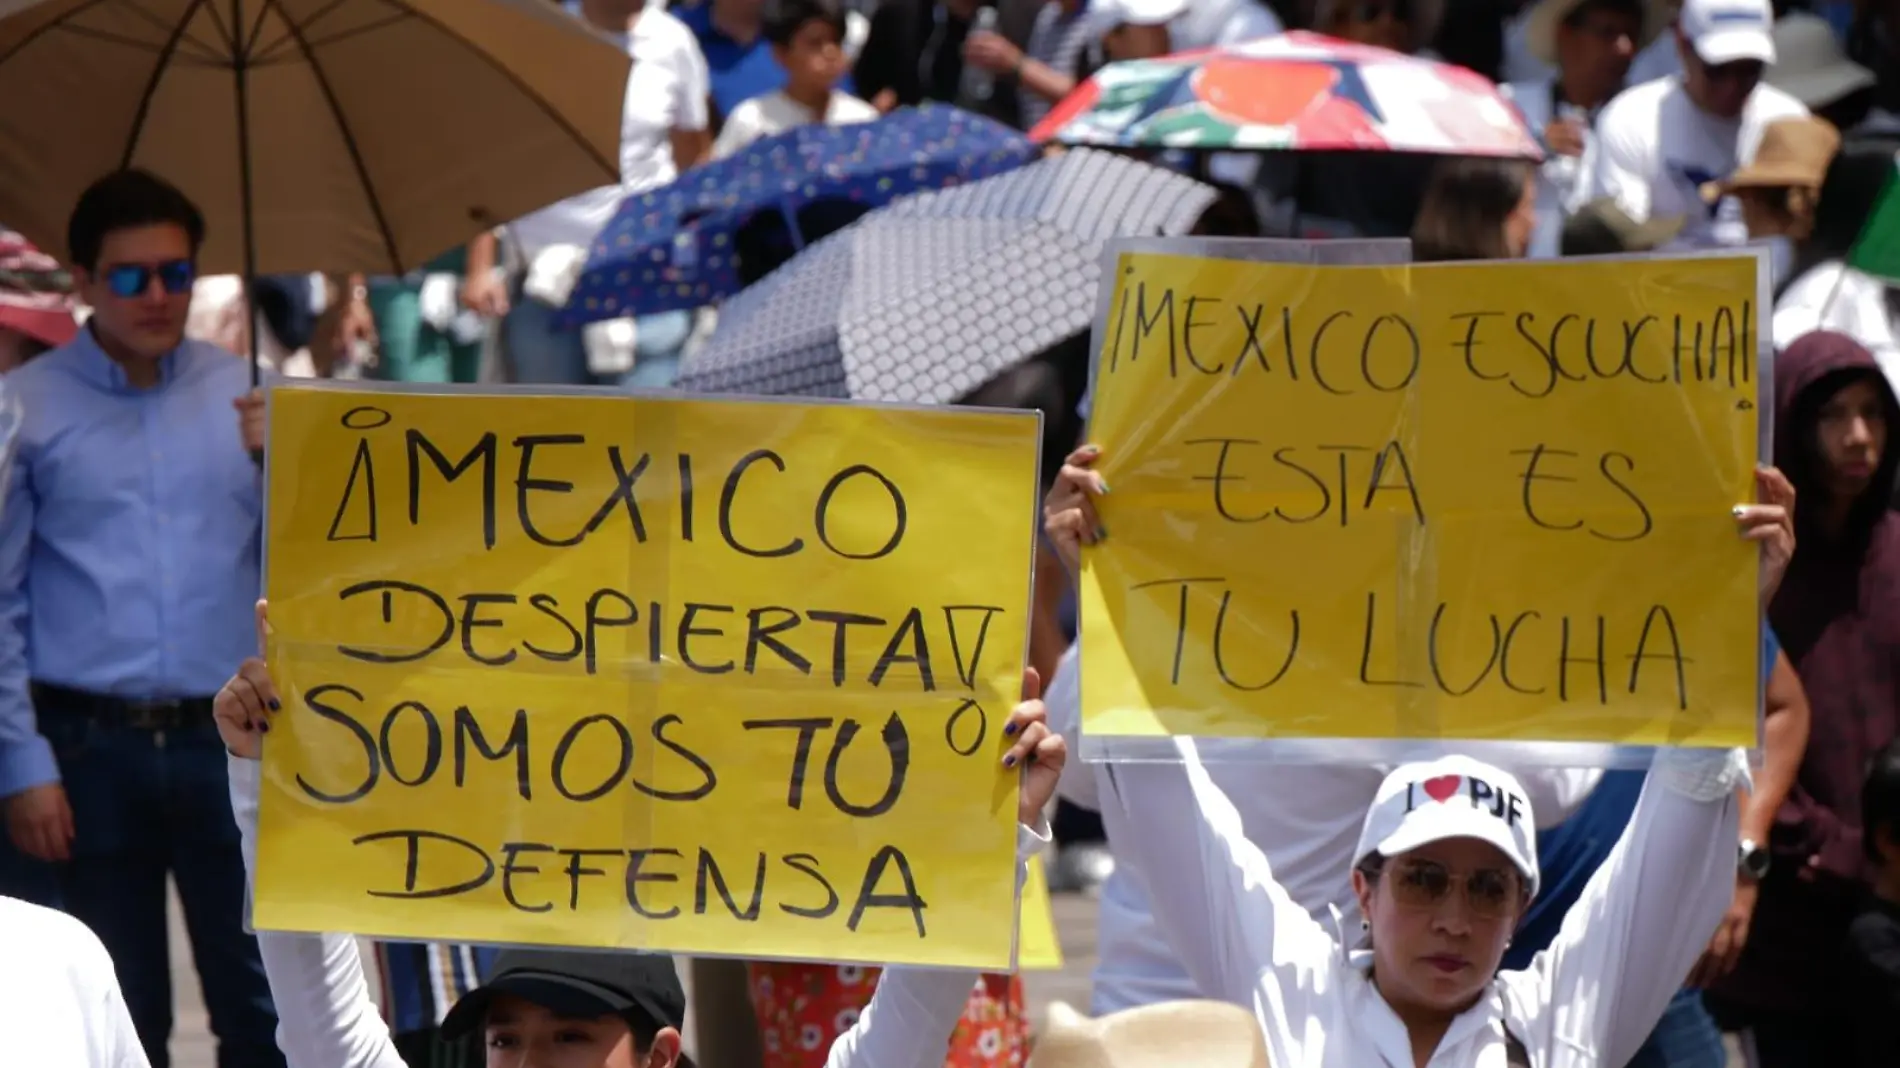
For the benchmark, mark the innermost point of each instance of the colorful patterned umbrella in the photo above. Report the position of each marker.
(930, 298)
(1302, 92)
(673, 247)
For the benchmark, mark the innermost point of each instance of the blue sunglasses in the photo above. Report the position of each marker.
(128, 280)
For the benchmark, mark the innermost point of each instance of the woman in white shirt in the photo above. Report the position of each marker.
(1445, 864)
(327, 1019)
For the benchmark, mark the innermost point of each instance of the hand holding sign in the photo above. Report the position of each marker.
(1039, 751)
(1771, 523)
(1069, 517)
(243, 707)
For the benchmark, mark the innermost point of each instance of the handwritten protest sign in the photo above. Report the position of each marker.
(711, 677)
(1038, 948)
(1459, 501)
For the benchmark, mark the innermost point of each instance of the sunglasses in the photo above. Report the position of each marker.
(1423, 884)
(127, 280)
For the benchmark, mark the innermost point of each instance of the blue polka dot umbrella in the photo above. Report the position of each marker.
(675, 247)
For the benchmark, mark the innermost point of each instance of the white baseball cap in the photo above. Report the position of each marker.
(1727, 31)
(1108, 14)
(1452, 797)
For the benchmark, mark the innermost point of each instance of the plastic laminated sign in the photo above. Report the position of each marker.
(1358, 512)
(713, 677)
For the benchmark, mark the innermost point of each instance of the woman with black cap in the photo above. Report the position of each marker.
(571, 1008)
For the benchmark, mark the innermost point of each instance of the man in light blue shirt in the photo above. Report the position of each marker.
(129, 551)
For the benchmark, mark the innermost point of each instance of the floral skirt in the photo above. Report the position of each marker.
(802, 1008)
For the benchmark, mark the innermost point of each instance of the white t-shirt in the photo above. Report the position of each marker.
(1215, 23)
(774, 112)
(60, 1005)
(666, 91)
(1655, 149)
(1562, 181)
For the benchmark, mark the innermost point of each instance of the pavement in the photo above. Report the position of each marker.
(192, 1046)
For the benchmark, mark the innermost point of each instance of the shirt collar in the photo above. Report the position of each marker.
(103, 371)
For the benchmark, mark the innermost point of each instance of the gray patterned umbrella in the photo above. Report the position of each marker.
(927, 299)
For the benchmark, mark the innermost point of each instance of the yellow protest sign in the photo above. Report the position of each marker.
(715, 677)
(1038, 949)
(1459, 501)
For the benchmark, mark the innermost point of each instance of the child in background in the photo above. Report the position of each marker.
(1873, 941)
(807, 38)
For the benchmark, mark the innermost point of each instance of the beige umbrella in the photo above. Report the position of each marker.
(317, 135)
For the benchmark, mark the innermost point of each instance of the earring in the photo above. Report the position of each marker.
(1365, 925)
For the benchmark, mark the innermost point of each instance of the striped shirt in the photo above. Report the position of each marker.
(1056, 41)
(422, 981)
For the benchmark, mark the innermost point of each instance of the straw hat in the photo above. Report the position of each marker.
(1540, 26)
(1793, 152)
(1171, 1034)
(1602, 228)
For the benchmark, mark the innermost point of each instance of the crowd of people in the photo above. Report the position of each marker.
(129, 541)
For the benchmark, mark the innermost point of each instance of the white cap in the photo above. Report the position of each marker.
(1452, 797)
(1725, 31)
(1108, 14)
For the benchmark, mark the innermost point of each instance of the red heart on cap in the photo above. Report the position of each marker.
(1441, 788)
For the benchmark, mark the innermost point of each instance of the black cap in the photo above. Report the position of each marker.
(577, 983)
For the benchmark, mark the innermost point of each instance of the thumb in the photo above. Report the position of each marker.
(264, 630)
(1032, 684)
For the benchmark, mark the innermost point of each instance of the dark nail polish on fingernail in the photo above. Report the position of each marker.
(275, 707)
(264, 727)
(1101, 533)
(1009, 728)
(1009, 761)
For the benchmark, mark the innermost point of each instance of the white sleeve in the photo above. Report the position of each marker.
(325, 1018)
(1555, 793)
(114, 1041)
(693, 107)
(1647, 913)
(910, 1019)
(1235, 930)
(1621, 165)
(120, 1043)
(739, 131)
(1063, 698)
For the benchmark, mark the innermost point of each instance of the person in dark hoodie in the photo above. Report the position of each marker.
(1838, 617)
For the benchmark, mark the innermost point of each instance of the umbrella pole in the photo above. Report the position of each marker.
(240, 69)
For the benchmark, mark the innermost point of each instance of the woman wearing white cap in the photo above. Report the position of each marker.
(1445, 863)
